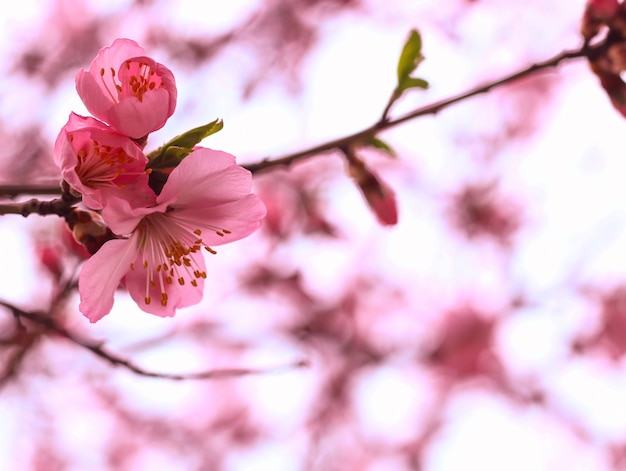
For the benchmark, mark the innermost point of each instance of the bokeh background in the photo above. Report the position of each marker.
(485, 331)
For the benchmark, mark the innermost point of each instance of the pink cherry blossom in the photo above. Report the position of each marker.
(205, 202)
(126, 89)
(101, 164)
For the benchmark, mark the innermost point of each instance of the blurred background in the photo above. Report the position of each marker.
(485, 331)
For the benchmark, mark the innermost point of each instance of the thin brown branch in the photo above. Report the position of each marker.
(57, 206)
(114, 359)
(433, 108)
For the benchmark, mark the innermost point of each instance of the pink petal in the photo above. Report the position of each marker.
(138, 118)
(101, 276)
(206, 177)
(112, 56)
(123, 214)
(92, 93)
(240, 218)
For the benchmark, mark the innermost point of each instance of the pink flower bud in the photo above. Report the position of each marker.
(597, 13)
(380, 198)
(126, 89)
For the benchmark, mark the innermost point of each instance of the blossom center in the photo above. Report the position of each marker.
(101, 165)
(135, 78)
(170, 253)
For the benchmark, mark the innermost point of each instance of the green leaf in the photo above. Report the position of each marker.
(380, 145)
(194, 136)
(412, 82)
(167, 157)
(411, 56)
(174, 151)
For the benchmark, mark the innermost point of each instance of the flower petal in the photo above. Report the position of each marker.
(137, 118)
(206, 177)
(101, 276)
(238, 218)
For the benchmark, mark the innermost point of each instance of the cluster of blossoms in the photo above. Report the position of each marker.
(162, 208)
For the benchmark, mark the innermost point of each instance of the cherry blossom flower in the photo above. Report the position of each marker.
(126, 89)
(205, 202)
(101, 164)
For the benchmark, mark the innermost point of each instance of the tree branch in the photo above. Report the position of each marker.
(433, 108)
(114, 359)
(59, 206)
(383, 124)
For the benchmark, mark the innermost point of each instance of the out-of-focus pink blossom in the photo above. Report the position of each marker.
(126, 89)
(602, 9)
(597, 13)
(206, 201)
(101, 164)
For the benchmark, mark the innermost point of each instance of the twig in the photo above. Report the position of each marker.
(58, 206)
(433, 108)
(117, 360)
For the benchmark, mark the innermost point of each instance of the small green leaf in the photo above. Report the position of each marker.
(167, 157)
(412, 82)
(174, 151)
(411, 56)
(194, 136)
(381, 145)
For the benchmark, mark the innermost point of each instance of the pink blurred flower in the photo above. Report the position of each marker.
(101, 164)
(205, 201)
(126, 89)
(598, 13)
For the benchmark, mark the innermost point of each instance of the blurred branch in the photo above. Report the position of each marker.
(59, 206)
(97, 348)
